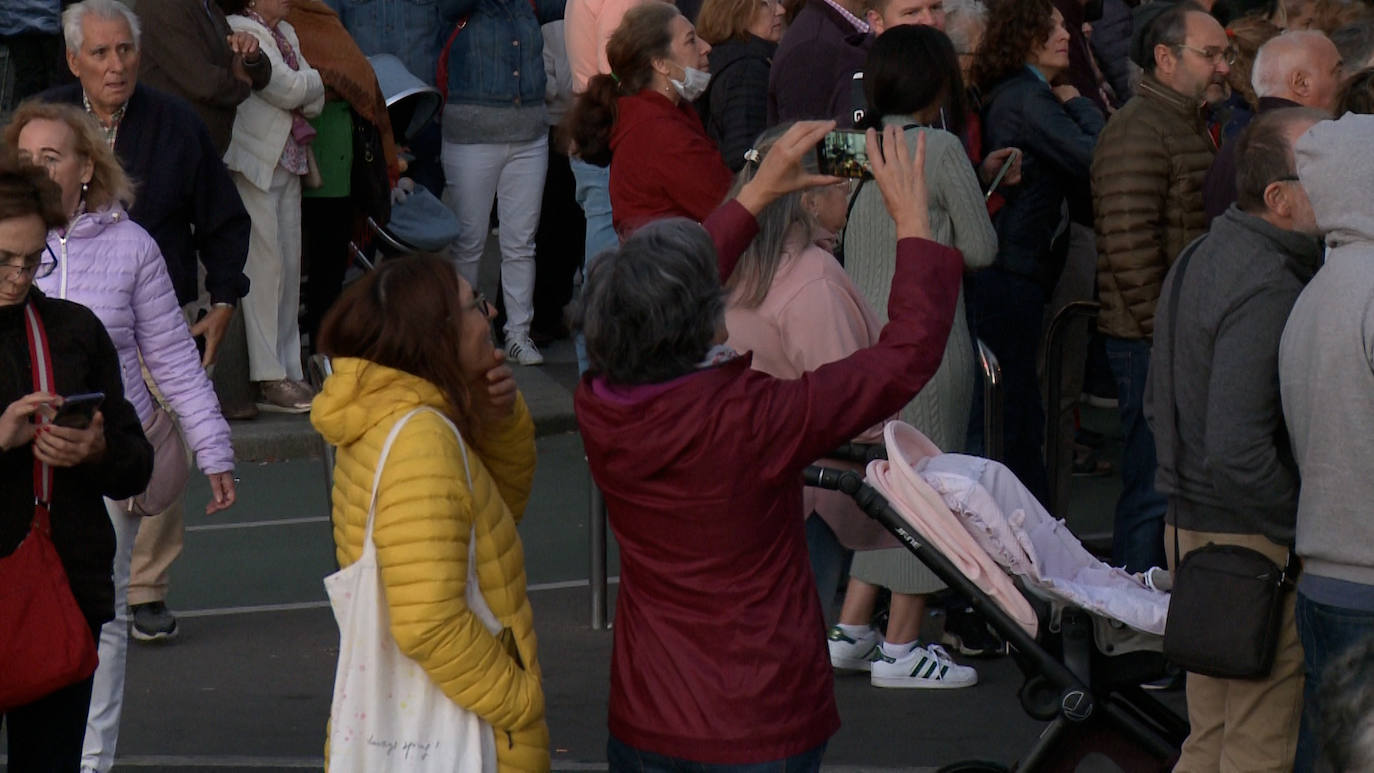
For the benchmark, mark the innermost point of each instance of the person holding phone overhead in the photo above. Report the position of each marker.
(109, 458)
(109, 264)
(639, 120)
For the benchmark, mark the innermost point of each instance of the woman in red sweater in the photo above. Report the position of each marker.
(639, 119)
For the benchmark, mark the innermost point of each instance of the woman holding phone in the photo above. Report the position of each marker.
(110, 457)
(640, 121)
(1025, 48)
(912, 81)
(109, 264)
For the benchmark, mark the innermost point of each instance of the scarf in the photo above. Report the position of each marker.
(343, 67)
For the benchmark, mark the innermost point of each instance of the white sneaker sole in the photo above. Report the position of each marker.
(913, 683)
(267, 407)
(154, 637)
(851, 664)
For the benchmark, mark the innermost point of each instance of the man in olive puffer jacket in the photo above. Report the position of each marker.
(1147, 175)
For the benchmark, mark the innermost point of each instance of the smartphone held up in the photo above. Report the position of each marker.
(844, 153)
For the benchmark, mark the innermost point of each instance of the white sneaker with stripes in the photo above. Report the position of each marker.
(928, 667)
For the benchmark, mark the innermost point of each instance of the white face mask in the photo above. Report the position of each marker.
(693, 83)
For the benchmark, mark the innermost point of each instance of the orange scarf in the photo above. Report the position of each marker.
(328, 47)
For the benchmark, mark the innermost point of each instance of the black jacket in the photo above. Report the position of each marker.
(815, 60)
(1111, 43)
(1057, 140)
(84, 360)
(1219, 187)
(1224, 458)
(185, 197)
(734, 108)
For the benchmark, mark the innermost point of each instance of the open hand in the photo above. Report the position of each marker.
(901, 179)
(212, 325)
(69, 446)
(781, 171)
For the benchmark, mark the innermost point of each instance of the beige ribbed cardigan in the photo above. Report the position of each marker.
(959, 219)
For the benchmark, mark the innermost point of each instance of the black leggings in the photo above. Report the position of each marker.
(46, 736)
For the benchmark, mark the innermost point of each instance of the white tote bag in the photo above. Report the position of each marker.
(387, 715)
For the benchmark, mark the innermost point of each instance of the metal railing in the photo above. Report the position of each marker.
(1055, 340)
(596, 554)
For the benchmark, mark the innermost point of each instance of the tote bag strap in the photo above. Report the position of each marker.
(40, 360)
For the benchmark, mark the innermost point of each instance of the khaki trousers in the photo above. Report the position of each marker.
(159, 542)
(1244, 725)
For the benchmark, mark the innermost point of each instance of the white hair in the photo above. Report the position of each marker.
(110, 10)
(1278, 58)
(962, 16)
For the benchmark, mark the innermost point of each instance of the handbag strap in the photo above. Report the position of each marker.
(40, 360)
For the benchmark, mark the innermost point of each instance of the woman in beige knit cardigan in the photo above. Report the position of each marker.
(912, 79)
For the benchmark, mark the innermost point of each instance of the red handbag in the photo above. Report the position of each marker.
(45, 642)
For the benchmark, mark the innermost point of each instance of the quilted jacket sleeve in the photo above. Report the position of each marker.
(170, 355)
(1130, 182)
(425, 514)
(507, 450)
(739, 109)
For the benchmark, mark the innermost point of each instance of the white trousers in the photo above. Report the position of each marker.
(107, 693)
(271, 309)
(513, 175)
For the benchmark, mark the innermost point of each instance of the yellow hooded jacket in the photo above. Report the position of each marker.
(425, 512)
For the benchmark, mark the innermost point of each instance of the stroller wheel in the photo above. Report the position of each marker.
(974, 766)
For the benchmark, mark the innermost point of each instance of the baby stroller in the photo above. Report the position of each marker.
(1084, 635)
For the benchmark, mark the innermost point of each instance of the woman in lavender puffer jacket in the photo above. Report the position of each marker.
(111, 265)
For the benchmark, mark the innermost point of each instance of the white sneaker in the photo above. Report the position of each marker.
(928, 667)
(849, 654)
(521, 351)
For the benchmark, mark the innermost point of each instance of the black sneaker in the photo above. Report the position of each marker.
(153, 622)
(968, 633)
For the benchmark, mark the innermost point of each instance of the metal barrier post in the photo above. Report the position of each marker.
(992, 402)
(596, 554)
(320, 369)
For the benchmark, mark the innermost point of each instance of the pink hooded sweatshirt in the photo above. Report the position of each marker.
(109, 264)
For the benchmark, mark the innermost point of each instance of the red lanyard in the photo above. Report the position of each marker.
(40, 358)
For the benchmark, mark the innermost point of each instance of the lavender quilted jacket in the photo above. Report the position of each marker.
(109, 264)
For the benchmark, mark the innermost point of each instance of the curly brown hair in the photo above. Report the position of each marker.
(1015, 28)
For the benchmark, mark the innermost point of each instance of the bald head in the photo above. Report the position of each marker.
(1301, 66)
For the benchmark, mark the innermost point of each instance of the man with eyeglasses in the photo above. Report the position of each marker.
(1213, 403)
(1296, 68)
(1147, 177)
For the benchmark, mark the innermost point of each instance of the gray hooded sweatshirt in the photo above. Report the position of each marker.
(1326, 359)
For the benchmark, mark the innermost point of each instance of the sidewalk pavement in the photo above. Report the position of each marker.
(548, 390)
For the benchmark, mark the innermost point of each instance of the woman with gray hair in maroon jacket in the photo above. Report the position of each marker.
(720, 655)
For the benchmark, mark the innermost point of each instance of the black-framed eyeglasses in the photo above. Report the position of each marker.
(480, 303)
(1213, 54)
(34, 267)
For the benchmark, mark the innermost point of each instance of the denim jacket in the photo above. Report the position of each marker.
(407, 29)
(22, 17)
(498, 58)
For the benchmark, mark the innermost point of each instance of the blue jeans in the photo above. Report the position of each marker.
(1138, 531)
(1006, 312)
(593, 194)
(1326, 633)
(627, 759)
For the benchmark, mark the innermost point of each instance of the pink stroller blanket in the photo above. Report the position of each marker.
(977, 513)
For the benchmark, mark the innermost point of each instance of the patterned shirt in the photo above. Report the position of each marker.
(859, 24)
(111, 129)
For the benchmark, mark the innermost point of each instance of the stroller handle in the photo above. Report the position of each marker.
(1077, 702)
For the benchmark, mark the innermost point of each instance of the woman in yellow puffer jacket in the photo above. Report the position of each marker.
(392, 352)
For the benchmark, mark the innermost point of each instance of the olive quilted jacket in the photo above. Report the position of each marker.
(425, 511)
(1147, 176)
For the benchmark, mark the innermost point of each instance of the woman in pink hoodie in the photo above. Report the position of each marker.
(111, 265)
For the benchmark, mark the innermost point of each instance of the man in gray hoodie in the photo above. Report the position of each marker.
(1212, 400)
(1326, 368)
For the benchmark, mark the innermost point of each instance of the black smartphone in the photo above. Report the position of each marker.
(843, 153)
(77, 411)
